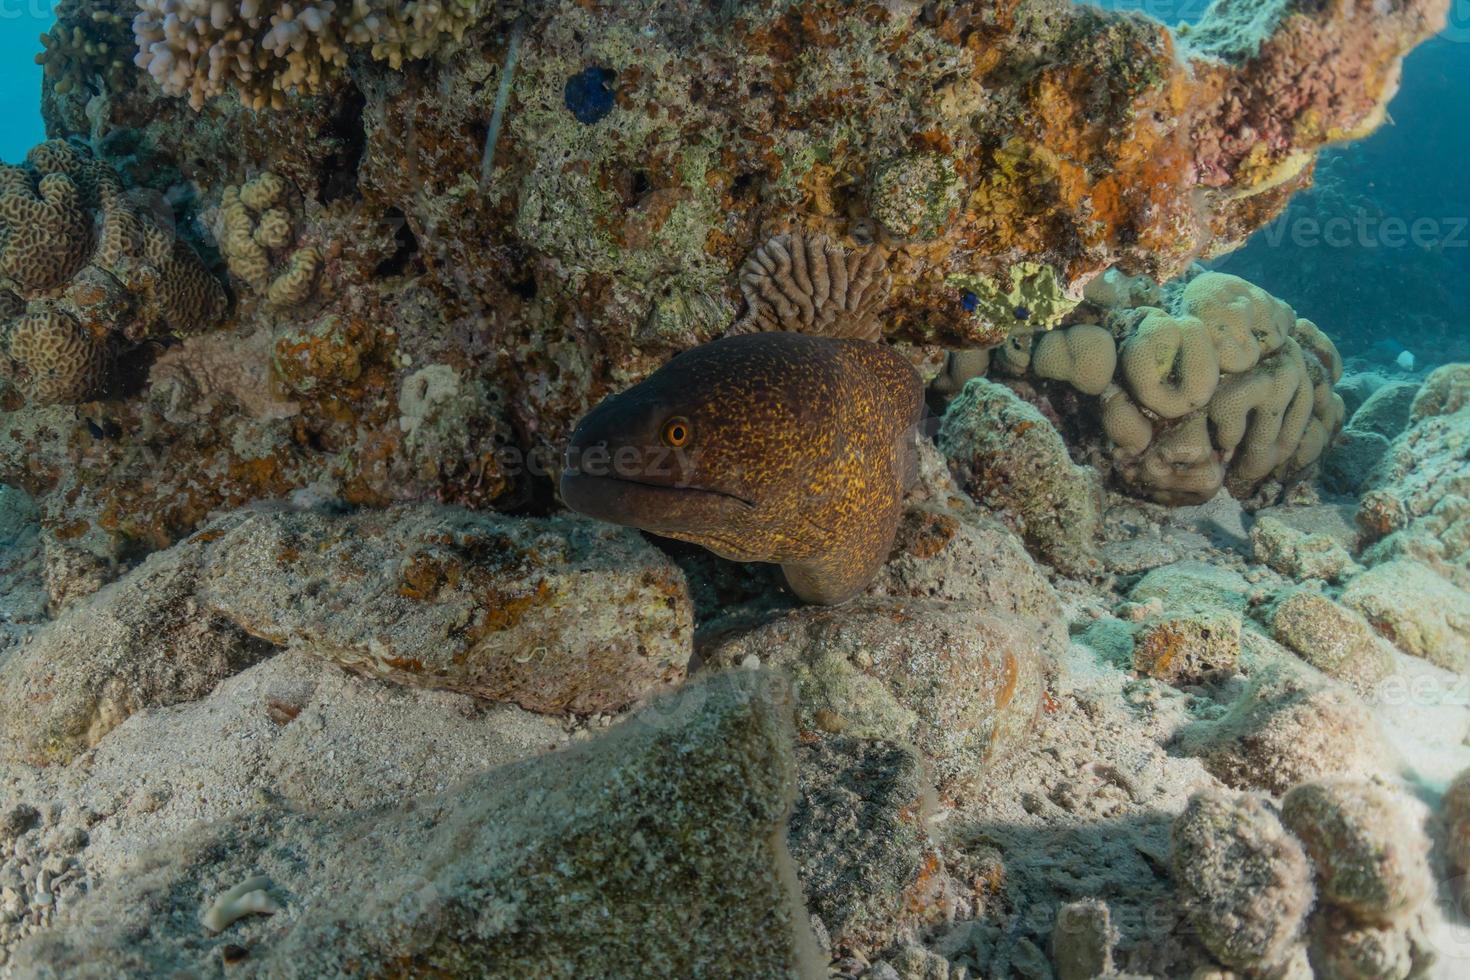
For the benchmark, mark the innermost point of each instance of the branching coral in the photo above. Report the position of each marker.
(87, 270)
(265, 49)
(85, 43)
(253, 226)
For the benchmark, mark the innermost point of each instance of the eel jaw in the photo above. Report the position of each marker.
(654, 507)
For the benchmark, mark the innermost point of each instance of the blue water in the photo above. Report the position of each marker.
(1379, 250)
(21, 24)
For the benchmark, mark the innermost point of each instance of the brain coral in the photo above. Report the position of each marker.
(264, 49)
(254, 230)
(1227, 389)
(86, 269)
(781, 277)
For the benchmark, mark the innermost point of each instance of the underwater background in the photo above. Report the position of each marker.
(966, 489)
(21, 24)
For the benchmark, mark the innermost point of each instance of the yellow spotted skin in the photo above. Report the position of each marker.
(799, 450)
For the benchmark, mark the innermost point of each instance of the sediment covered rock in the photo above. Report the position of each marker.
(598, 859)
(1330, 637)
(558, 615)
(959, 682)
(1009, 458)
(1245, 881)
(1422, 613)
(1286, 728)
(142, 642)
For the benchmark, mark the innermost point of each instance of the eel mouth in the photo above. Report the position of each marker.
(650, 506)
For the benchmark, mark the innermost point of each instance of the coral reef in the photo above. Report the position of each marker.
(1073, 141)
(296, 591)
(1225, 388)
(85, 273)
(263, 50)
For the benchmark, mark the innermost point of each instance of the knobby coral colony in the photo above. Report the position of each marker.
(1230, 388)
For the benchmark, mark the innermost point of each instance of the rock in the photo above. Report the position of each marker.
(558, 615)
(1439, 539)
(1245, 883)
(1386, 411)
(1370, 859)
(859, 835)
(1082, 940)
(594, 861)
(1009, 458)
(1342, 949)
(1444, 392)
(911, 962)
(1183, 649)
(73, 574)
(142, 642)
(1428, 463)
(1194, 586)
(1422, 613)
(1284, 729)
(1299, 555)
(1355, 389)
(300, 730)
(955, 551)
(1330, 637)
(1349, 460)
(1456, 805)
(961, 684)
(561, 615)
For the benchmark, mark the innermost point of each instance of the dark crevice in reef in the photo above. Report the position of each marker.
(407, 251)
(339, 171)
(130, 373)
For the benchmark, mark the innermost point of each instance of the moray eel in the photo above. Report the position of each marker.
(773, 447)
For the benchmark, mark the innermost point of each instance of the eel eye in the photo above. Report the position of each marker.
(677, 432)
